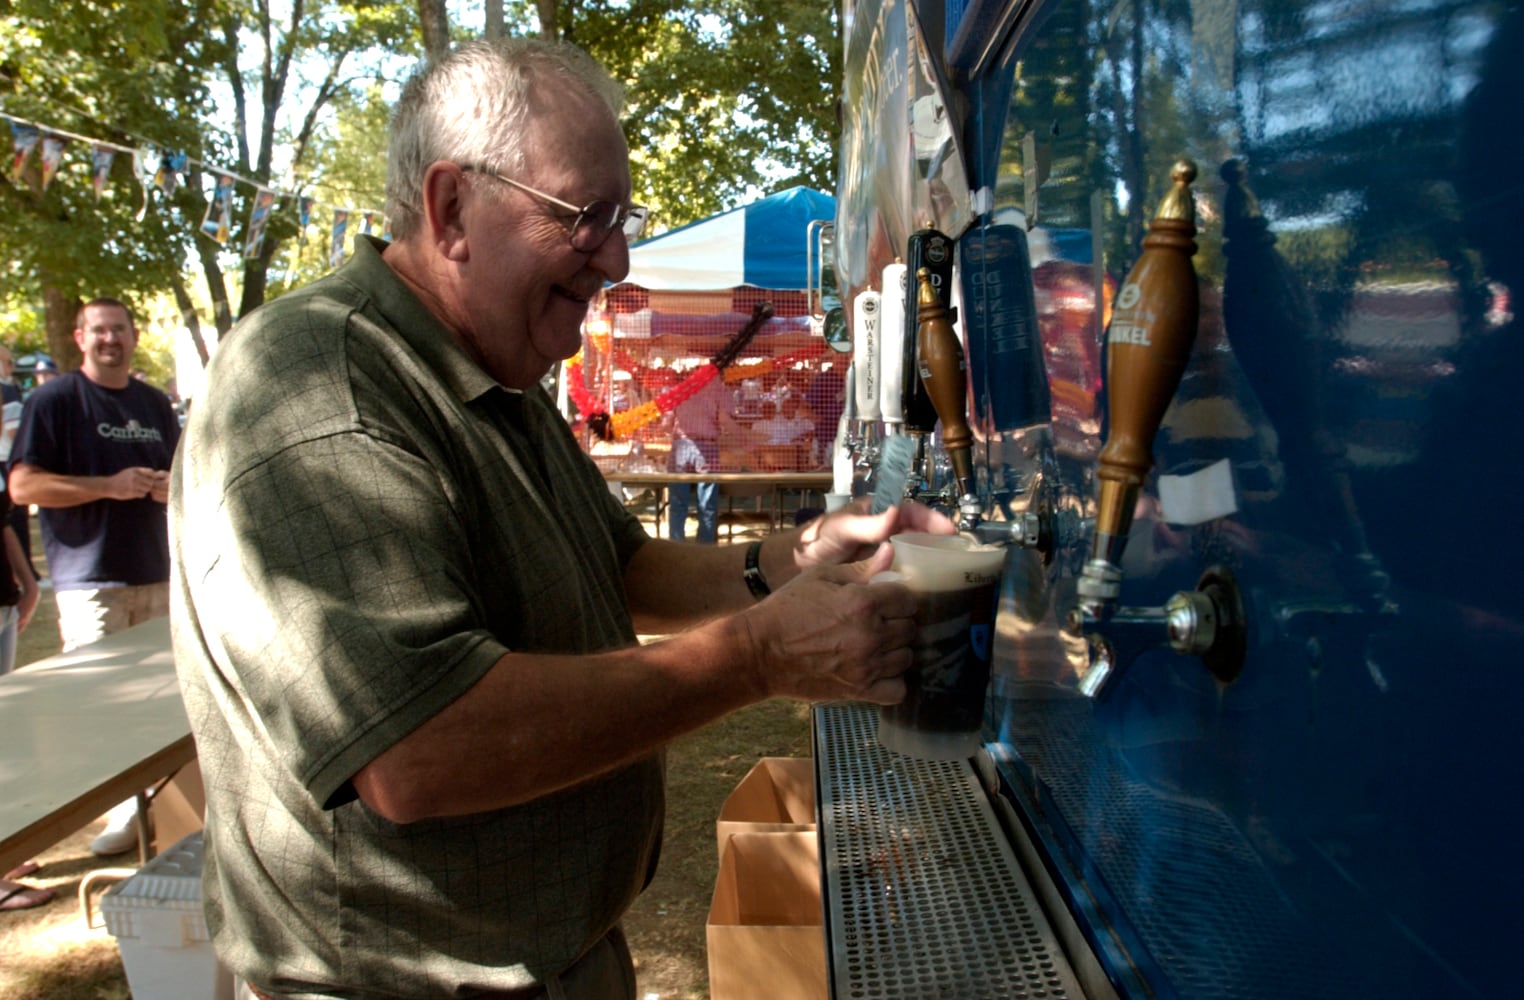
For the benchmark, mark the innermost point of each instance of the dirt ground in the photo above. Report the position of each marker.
(48, 953)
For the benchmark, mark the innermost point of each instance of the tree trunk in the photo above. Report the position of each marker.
(58, 311)
(493, 29)
(191, 320)
(193, 204)
(549, 30)
(436, 28)
(256, 276)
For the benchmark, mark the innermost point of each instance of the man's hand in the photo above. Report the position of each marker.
(830, 634)
(137, 481)
(851, 533)
(160, 491)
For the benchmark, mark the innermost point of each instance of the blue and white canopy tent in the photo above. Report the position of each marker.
(688, 294)
(763, 244)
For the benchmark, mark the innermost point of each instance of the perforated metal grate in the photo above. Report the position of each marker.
(924, 896)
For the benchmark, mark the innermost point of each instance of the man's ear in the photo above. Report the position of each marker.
(444, 197)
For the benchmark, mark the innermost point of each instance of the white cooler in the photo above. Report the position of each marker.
(156, 917)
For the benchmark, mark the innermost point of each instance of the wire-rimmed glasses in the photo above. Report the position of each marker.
(595, 221)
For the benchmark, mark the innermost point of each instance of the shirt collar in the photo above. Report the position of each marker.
(418, 327)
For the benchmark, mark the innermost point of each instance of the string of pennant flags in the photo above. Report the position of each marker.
(156, 169)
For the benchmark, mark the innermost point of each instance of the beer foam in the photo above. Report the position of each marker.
(945, 562)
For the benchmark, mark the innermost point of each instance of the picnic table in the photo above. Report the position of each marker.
(84, 730)
(767, 490)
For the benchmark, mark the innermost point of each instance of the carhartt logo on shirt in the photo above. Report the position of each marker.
(134, 431)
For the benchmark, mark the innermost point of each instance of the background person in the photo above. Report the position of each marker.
(789, 424)
(46, 370)
(406, 603)
(93, 454)
(8, 390)
(18, 590)
(697, 423)
(18, 599)
(10, 420)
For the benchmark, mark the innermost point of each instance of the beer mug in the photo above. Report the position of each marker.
(957, 585)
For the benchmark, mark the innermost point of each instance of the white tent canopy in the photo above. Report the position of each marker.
(764, 244)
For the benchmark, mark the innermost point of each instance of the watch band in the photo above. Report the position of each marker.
(752, 574)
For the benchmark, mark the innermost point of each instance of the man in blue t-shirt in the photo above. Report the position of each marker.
(93, 453)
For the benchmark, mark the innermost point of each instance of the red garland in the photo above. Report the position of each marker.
(601, 421)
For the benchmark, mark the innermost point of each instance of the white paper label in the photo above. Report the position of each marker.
(1201, 496)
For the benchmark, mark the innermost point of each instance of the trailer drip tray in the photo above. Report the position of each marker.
(924, 897)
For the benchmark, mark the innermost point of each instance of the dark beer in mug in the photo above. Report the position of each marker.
(957, 582)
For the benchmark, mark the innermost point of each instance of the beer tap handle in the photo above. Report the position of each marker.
(1148, 345)
(942, 370)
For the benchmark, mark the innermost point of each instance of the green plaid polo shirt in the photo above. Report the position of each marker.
(363, 522)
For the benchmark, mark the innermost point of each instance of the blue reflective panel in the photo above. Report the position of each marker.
(1341, 819)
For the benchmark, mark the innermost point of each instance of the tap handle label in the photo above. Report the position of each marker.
(866, 360)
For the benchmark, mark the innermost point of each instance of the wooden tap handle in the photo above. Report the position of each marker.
(939, 361)
(1153, 326)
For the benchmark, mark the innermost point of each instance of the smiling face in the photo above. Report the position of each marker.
(106, 338)
(525, 290)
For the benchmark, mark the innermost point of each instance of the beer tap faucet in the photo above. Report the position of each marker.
(943, 373)
(1148, 345)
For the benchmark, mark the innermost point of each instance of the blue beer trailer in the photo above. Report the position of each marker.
(1261, 737)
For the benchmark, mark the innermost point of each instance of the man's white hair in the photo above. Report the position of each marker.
(474, 107)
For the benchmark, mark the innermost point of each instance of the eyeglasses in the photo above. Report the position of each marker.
(595, 222)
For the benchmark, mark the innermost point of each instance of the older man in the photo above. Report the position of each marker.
(407, 605)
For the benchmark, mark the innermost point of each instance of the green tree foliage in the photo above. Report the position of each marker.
(725, 98)
(345, 169)
(240, 85)
(118, 72)
(287, 64)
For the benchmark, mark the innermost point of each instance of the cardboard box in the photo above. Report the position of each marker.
(776, 796)
(765, 933)
(161, 932)
(179, 809)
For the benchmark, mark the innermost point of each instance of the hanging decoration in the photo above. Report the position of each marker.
(101, 157)
(156, 169)
(52, 155)
(763, 367)
(141, 171)
(167, 177)
(23, 140)
(618, 426)
(218, 223)
(336, 243)
(259, 217)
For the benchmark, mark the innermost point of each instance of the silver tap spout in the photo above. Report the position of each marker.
(1208, 622)
(1027, 530)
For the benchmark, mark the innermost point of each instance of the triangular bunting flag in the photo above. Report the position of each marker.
(336, 244)
(100, 167)
(218, 223)
(167, 177)
(52, 155)
(24, 140)
(259, 215)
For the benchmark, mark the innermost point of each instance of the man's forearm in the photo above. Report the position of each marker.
(534, 724)
(673, 585)
(31, 485)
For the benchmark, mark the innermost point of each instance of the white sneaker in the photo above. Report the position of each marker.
(121, 833)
